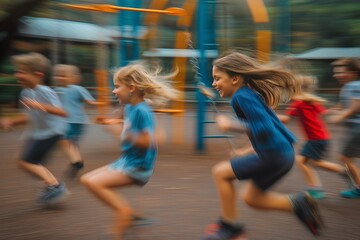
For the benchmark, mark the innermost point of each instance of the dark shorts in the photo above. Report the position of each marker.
(351, 147)
(315, 149)
(264, 173)
(75, 130)
(36, 150)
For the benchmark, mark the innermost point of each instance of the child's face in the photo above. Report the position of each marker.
(27, 78)
(223, 83)
(62, 79)
(343, 75)
(122, 92)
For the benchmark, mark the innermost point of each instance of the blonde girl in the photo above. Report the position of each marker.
(308, 108)
(135, 166)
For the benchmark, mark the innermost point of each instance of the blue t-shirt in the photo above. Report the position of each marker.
(73, 98)
(350, 91)
(139, 118)
(267, 134)
(43, 124)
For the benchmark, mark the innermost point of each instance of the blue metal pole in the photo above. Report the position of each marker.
(201, 109)
(129, 46)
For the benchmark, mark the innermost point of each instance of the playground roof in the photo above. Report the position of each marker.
(75, 31)
(172, 52)
(329, 53)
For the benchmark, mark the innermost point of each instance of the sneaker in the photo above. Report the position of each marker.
(53, 194)
(307, 211)
(351, 193)
(141, 221)
(74, 169)
(223, 231)
(316, 193)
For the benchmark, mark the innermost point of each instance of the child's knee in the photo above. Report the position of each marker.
(219, 170)
(248, 199)
(345, 160)
(301, 160)
(85, 180)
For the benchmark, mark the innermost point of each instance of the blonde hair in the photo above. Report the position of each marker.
(34, 62)
(272, 82)
(71, 71)
(308, 85)
(150, 82)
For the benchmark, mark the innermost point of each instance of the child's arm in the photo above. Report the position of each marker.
(95, 103)
(140, 140)
(346, 113)
(51, 109)
(284, 118)
(227, 124)
(8, 123)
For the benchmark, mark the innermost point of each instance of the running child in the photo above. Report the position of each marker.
(46, 115)
(133, 84)
(73, 98)
(254, 89)
(309, 109)
(347, 72)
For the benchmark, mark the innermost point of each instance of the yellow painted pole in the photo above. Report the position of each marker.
(258, 11)
(263, 45)
(263, 37)
(113, 9)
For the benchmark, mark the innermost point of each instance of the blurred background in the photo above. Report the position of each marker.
(317, 32)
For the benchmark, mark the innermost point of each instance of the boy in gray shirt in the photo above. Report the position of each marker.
(347, 72)
(44, 111)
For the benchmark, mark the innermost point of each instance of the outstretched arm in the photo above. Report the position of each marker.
(8, 123)
(354, 108)
(227, 124)
(284, 118)
(51, 109)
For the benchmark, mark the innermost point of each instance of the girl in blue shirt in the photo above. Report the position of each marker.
(254, 90)
(135, 165)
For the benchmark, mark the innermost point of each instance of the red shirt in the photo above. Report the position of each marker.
(309, 116)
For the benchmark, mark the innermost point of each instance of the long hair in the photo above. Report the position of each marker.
(153, 85)
(308, 85)
(273, 83)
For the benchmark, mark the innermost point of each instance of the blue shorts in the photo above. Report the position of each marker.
(263, 172)
(74, 131)
(314, 149)
(140, 175)
(36, 150)
(351, 146)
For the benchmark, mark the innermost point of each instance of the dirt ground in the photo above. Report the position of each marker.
(180, 197)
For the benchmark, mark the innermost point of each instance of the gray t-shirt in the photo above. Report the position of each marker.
(43, 124)
(350, 91)
(73, 98)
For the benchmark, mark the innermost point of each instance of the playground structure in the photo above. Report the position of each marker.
(200, 62)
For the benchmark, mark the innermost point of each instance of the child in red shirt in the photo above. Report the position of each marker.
(308, 109)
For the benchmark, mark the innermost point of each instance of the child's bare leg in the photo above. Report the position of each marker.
(71, 150)
(224, 178)
(257, 198)
(311, 177)
(39, 171)
(329, 166)
(352, 168)
(100, 182)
